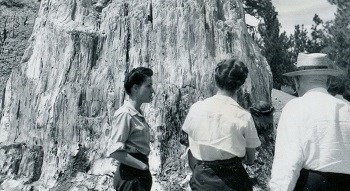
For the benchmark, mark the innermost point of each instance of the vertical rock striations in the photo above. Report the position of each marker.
(58, 104)
(16, 23)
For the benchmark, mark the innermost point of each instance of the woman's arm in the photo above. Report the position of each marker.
(129, 160)
(250, 156)
(120, 135)
(252, 141)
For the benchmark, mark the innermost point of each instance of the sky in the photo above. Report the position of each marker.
(293, 12)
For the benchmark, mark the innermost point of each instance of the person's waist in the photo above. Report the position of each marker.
(208, 151)
(143, 149)
(333, 175)
(234, 160)
(139, 156)
(230, 161)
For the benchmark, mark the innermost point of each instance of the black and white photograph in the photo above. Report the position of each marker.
(174, 95)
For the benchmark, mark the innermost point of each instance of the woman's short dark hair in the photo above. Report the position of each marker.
(136, 76)
(230, 74)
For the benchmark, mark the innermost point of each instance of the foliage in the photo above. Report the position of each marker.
(337, 44)
(281, 51)
(331, 38)
(299, 41)
(339, 29)
(274, 46)
(318, 41)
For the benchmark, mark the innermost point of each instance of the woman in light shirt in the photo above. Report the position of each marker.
(221, 133)
(131, 134)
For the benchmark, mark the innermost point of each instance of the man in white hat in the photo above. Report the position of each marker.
(312, 150)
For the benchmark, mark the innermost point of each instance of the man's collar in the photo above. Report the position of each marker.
(319, 89)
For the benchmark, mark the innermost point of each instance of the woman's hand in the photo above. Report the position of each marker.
(144, 167)
(129, 160)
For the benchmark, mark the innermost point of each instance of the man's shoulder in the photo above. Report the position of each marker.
(295, 103)
(327, 99)
(341, 100)
(307, 103)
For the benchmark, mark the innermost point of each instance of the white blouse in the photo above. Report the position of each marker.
(218, 128)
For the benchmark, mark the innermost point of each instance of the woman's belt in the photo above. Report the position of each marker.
(193, 161)
(143, 158)
(128, 173)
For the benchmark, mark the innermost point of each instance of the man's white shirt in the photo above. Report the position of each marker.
(313, 133)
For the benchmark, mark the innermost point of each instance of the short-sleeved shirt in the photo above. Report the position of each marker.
(218, 128)
(130, 131)
(313, 133)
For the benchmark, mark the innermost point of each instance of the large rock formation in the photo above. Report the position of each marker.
(58, 105)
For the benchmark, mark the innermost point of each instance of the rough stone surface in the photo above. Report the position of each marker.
(58, 105)
(16, 23)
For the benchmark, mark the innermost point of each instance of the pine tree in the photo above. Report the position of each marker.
(274, 45)
(299, 41)
(318, 40)
(338, 44)
(339, 29)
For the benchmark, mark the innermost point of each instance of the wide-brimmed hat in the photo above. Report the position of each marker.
(314, 64)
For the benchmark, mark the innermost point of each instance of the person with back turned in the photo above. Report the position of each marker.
(220, 133)
(130, 143)
(312, 150)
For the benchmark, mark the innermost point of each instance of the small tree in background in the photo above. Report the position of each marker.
(339, 29)
(318, 41)
(299, 42)
(274, 46)
(338, 44)
(281, 51)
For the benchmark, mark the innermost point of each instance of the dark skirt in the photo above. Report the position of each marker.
(127, 178)
(223, 175)
(311, 180)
